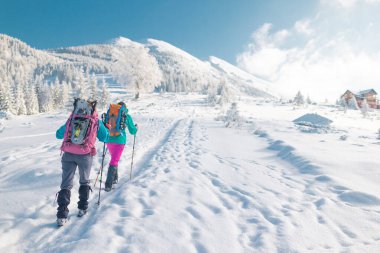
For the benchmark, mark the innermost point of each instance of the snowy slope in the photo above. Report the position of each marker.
(262, 186)
(157, 65)
(243, 81)
(182, 71)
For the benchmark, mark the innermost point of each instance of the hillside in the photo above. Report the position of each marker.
(156, 66)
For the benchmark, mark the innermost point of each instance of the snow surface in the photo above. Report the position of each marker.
(198, 186)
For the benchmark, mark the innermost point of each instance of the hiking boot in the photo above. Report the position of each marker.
(112, 171)
(61, 221)
(116, 177)
(81, 212)
(63, 201)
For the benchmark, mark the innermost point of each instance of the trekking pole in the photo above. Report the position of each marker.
(133, 151)
(101, 171)
(96, 180)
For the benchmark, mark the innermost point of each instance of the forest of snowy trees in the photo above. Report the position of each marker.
(38, 95)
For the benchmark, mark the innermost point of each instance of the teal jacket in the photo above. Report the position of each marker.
(103, 133)
(122, 138)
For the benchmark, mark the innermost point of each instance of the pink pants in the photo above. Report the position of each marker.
(115, 150)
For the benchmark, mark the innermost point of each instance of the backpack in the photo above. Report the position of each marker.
(116, 118)
(81, 129)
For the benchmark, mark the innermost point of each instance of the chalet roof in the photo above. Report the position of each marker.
(363, 92)
(347, 91)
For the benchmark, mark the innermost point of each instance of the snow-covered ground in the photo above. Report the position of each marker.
(264, 185)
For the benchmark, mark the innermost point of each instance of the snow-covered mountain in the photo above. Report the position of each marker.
(181, 72)
(139, 67)
(241, 80)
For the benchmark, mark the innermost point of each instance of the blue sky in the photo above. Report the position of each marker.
(202, 27)
(320, 47)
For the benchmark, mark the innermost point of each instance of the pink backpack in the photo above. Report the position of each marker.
(81, 129)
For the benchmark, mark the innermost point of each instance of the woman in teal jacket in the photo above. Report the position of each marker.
(116, 145)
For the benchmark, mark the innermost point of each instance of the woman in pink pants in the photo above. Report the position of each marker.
(119, 119)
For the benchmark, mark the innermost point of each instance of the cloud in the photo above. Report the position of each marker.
(263, 37)
(303, 27)
(322, 56)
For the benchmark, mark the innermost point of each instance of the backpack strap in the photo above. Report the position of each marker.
(107, 116)
(67, 127)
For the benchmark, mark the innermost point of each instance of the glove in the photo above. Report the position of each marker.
(108, 126)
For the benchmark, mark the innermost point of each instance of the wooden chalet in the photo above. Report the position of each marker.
(369, 95)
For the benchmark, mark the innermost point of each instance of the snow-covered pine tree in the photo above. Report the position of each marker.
(19, 101)
(104, 96)
(93, 87)
(232, 116)
(225, 93)
(5, 97)
(31, 100)
(71, 95)
(212, 94)
(81, 87)
(308, 100)
(65, 92)
(44, 97)
(298, 99)
(56, 94)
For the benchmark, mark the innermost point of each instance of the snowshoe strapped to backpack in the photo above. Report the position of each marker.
(81, 128)
(116, 118)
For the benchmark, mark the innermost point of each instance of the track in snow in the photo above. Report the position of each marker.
(200, 187)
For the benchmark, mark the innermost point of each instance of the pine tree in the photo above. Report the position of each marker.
(65, 90)
(81, 86)
(308, 100)
(44, 97)
(232, 115)
(298, 99)
(225, 93)
(104, 96)
(56, 94)
(31, 101)
(71, 94)
(19, 101)
(212, 94)
(5, 97)
(93, 88)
